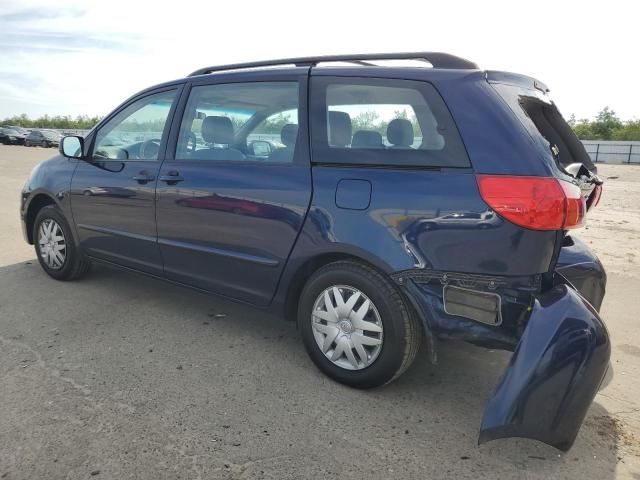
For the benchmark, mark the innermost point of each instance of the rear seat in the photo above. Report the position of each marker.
(367, 139)
(339, 129)
(400, 133)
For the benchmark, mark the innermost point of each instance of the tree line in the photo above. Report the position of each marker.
(62, 122)
(606, 126)
(370, 120)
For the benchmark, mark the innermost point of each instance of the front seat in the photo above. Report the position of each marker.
(367, 139)
(339, 124)
(288, 136)
(218, 130)
(400, 133)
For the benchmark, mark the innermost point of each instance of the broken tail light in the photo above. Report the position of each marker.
(595, 197)
(537, 203)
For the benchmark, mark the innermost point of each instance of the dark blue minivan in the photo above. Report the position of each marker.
(379, 201)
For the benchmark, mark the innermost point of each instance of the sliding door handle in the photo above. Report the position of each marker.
(171, 178)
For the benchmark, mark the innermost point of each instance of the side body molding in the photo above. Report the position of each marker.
(554, 374)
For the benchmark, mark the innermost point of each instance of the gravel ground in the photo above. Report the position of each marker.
(119, 376)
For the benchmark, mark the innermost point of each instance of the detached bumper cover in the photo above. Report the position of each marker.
(582, 268)
(554, 374)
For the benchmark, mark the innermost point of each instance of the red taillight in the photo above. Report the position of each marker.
(538, 203)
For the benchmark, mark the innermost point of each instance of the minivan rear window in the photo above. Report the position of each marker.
(390, 122)
(543, 120)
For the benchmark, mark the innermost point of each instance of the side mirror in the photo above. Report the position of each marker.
(72, 147)
(261, 148)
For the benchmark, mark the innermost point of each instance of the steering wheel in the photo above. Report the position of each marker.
(149, 148)
(191, 137)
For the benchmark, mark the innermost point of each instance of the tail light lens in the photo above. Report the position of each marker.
(537, 203)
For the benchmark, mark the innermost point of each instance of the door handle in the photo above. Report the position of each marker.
(171, 177)
(144, 177)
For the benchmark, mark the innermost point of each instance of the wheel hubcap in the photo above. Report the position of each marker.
(53, 247)
(347, 327)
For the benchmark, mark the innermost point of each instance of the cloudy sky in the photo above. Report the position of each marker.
(85, 57)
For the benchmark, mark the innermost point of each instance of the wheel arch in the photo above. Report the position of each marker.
(303, 272)
(37, 203)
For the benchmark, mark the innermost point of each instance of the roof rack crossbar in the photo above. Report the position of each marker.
(436, 59)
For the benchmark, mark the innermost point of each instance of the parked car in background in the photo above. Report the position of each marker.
(24, 131)
(18, 128)
(43, 138)
(446, 215)
(10, 136)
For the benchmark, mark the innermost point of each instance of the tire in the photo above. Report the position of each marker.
(45, 144)
(74, 263)
(400, 335)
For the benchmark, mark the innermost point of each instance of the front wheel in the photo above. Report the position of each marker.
(356, 325)
(56, 251)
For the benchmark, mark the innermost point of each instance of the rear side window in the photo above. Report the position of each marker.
(383, 122)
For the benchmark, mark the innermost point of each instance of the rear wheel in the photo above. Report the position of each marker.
(56, 251)
(356, 326)
(45, 144)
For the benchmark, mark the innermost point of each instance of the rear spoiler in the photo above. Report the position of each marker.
(508, 78)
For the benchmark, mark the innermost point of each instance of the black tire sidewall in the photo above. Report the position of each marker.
(390, 358)
(71, 259)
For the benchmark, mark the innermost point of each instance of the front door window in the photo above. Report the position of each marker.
(136, 132)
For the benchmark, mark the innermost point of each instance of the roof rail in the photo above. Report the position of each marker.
(436, 59)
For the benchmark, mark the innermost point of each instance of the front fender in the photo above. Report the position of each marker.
(50, 178)
(554, 374)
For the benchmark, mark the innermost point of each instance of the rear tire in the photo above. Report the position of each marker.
(55, 248)
(360, 344)
(45, 144)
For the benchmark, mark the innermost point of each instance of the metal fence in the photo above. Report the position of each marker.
(613, 152)
(70, 131)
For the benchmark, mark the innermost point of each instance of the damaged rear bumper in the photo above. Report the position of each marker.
(582, 268)
(554, 374)
(561, 346)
